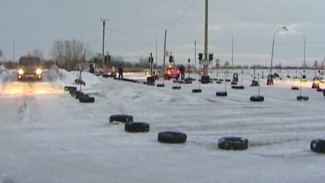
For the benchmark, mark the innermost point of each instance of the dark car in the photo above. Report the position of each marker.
(29, 68)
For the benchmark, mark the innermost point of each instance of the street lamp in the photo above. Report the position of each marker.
(281, 29)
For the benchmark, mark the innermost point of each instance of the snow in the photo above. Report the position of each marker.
(48, 136)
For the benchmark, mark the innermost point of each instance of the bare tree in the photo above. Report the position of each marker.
(70, 53)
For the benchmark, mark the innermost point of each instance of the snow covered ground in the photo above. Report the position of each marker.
(46, 136)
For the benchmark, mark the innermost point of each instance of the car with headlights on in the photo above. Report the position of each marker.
(29, 68)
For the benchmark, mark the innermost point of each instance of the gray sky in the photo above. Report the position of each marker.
(133, 25)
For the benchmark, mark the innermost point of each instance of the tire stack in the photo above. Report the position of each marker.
(83, 98)
(130, 125)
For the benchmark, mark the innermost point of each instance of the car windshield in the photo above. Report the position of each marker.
(29, 61)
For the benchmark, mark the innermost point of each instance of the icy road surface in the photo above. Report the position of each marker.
(46, 136)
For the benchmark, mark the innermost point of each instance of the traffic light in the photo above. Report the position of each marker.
(211, 56)
(200, 56)
(171, 59)
(150, 59)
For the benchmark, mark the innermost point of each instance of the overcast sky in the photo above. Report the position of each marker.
(133, 25)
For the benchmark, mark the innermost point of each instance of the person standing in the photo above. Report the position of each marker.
(120, 71)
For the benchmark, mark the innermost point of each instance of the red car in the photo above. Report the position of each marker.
(172, 73)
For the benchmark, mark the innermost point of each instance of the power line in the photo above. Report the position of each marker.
(182, 15)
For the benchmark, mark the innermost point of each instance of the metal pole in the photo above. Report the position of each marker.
(282, 28)
(304, 52)
(163, 71)
(103, 45)
(232, 51)
(206, 37)
(156, 55)
(195, 54)
(272, 53)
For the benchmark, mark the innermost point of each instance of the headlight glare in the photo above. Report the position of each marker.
(20, 71)
(38, 71)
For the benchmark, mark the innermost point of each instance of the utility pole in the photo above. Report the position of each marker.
(206, 38)
(103, 46)
(232, 51)
(195, 54)
(156, 55)
(163, 71)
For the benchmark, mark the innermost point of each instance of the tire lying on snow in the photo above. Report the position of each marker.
(137, 127)
(196, 91)
(124, 118)
(160, 85)
(221, 94)
(257, 98)
(318, 145)
(69, 88)
(79, 94)
(294, 88)
(239, 87)
(176, 87)
(233, 143)
(86, 99)
(302, 98)
(172, 137)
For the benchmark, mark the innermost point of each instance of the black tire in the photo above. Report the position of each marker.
(302, 98)
(219, 82)
(257, 98)
(196, 91)
(79, 94)
(221, 94)
(238, 87)
(318, 145)
(294, 88)
(73, 93)
(105, 75)
(69, 88)
(79, 82)
(160, 85)
(137, 127)
(172, 137)
(233, 83)
(319, 89)
(86, 99)
(124, 118)
(176, 87)
(233, 143)
(205, 79)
